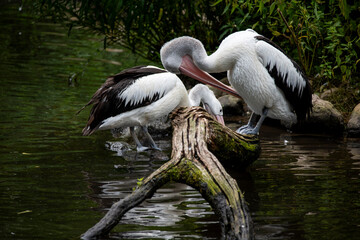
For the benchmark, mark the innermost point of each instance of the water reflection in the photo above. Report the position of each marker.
(171, 208)
(56, 183)
(354, 150)
(309, 179)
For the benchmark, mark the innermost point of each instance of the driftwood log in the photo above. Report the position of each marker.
(198, 140)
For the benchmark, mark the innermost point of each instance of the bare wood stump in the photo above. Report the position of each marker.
(195, 132)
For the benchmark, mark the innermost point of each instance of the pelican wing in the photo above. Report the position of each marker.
(106, 101)
(287, 75)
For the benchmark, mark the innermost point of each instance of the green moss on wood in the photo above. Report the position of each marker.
(196, 176)
(232, 148)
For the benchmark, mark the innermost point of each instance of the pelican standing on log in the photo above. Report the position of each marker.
(270, 82)
(144, 94)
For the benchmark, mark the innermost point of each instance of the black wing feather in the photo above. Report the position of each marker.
(301, 103)
(106, 102)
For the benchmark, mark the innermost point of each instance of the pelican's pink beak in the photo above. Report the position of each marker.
(220, 119)
(189, 69)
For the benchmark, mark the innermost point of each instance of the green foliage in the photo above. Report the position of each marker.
(142, 26)
(139, 181)
(323, 36)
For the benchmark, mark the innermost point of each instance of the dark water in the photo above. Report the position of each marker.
(55, 184)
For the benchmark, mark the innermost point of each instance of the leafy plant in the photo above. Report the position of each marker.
(142, 26)
(323, 36)
(139, 181)
(313, 29)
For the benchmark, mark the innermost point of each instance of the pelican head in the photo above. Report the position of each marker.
(200, 93)
(187, 55)
(175, 51)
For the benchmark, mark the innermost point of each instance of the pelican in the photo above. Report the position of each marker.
(143, 94)
(270, 82)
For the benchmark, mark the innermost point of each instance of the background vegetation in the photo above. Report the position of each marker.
(323, 36)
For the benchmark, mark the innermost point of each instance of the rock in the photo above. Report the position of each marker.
(353, 125)
(218, 93)
(160, 127)
(232, 105)
(324, 117)
(327, 94)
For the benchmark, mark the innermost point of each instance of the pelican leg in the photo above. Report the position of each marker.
(139, 146)
(255, 130)
(152, 142)
(251, 123)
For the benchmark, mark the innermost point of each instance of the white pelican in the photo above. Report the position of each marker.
(143, 94)
(269, 81)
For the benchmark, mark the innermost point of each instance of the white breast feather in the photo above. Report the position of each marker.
(147, 87)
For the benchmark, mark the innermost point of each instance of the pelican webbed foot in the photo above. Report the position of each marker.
(252, 128)
(247, 130)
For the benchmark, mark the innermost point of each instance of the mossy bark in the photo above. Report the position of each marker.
(192, 163)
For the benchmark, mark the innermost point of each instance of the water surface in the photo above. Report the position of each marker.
(55, 183)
